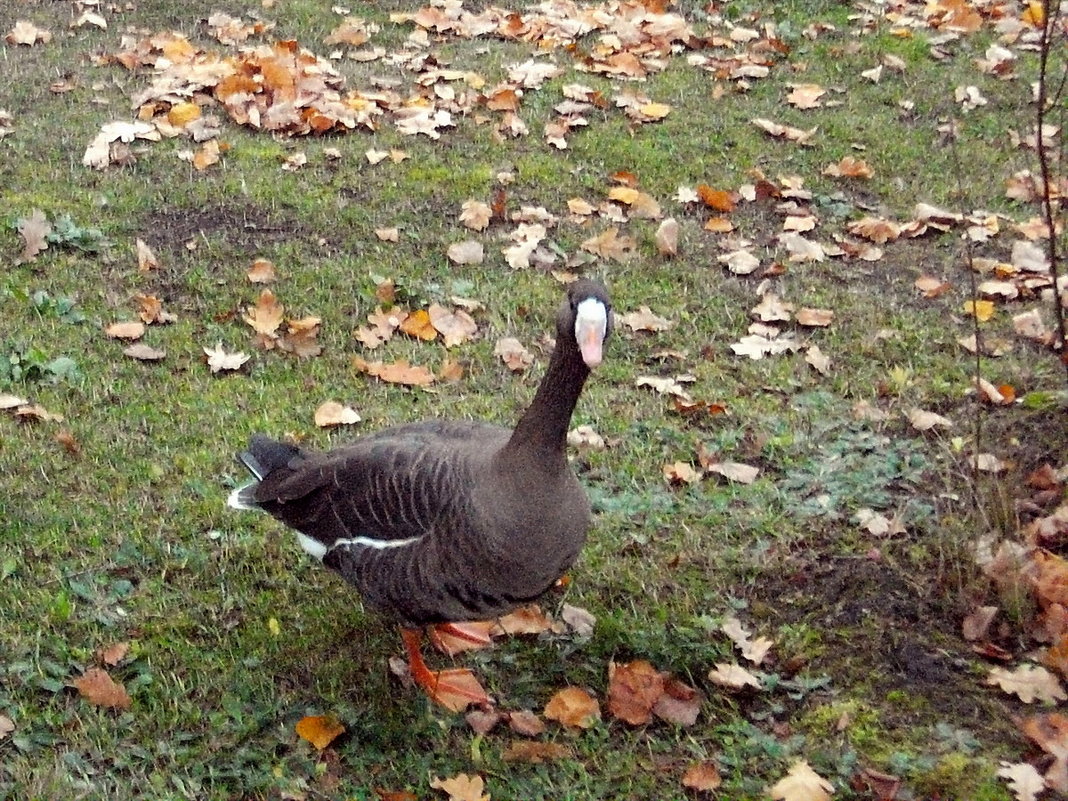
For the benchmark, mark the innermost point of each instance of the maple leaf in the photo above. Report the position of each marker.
(801, 783)
(26, 33)
(573, 707)
(752, 650)
(1029, 682)
(1024, 780)
(526, 238)
(644, 320)
(456, 327)
(875, 229)
(513, 354)
(702, 776)
(535, 752)
(319, 730)
(34, 231)
(219, 360)
(462, 787)
(99, 689)
(733, 677)
(266, 316)
(332, 413)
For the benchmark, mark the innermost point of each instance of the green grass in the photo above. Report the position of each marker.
(128, 539)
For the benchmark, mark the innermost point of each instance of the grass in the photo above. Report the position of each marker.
(128, 539)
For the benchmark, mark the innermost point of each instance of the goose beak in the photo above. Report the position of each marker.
(591, 324)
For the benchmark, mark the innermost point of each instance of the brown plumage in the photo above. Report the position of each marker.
(438, 522)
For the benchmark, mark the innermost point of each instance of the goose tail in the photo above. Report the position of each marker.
(263, 456)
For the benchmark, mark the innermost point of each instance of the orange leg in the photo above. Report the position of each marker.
(454, 689)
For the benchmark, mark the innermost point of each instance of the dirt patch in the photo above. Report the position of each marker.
(242, 227)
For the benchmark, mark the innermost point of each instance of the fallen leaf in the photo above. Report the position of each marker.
(716, 199)
(469, 251)
(679, 704)
(849, 167)
(678, 473)
(633, 689)
(787, 132)
(819, 360)
(702, 776)
(610, 244)
(513, 354)
(400, 372)
(99, 689)
(1050, 733)
(1029, 682)
(7, 725)
(527, 723)
(129, 330)
(733, 677)
(219, 360)
(261, 272)
(34, 231)
(319, 730)
(814, 318)
(734, 471)
(879, 525)
(266, 316)
(806, 95)
(66, 438)
(301, 338)
(388, 234)
(573, 707)
(208, 155)
(476, 215)
(455, 327)
(665, 385)
(924, 421)
(667, 237)
(26, 33)
(483, 721)
(534, 752)
(932, 287)
(772, 309)
(740, 262)
(417, 324)
(982, 310)
(644, 320)
(527, 619)
(144, 353)
(580, 620)
(146, 258)
(801, 783)
(462, 787)
(332, 413)
(752, 650)
(115, 653)
(1025, 782)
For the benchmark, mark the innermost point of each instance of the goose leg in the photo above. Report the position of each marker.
(454, 689)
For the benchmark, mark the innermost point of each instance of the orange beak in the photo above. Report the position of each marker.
(590, 342)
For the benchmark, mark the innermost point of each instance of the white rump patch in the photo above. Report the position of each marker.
(378, 545)
(312, 546)
(235, 501)
(591, 325)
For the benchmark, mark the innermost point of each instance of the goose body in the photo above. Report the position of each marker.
(445, 521)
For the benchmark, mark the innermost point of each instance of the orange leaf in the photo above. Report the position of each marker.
(982, 310)
(716, 199)
(114, 654)
(266, 315)
(320, 730)
(633, 689)
(400, 372)
(417, 324)
(261, 272)
(573, 707)
(99, 689)
(527, 619)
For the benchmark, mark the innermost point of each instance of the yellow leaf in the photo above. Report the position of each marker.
(573, 707)
(182, 114)
(319, 730)
(655, 111)
(802, 783)
(418, 325)
(273, 627)
(983, 310)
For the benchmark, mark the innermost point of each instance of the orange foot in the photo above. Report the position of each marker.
(454, 689)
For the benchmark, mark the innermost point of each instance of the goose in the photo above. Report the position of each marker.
(440, 522)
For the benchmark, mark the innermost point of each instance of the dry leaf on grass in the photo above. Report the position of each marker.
(476, 215)
(332, 413)
(678, 473)
(702, 776)
(752, 650)
(26, 33)
(146, 257)
(879, 525)
(740, 262)
(819, 360)
(261, 272)
(733, 471)
(1050, 733)
(417, 324)
(114, 653)
(483, 721)
(1025, 782)
(319, 730)
(219, 360)
(128, 330)
(924, 421)
(580, 620)
(455, 327)
(527, 619)
(644, 320)
(513, 354)
(733, 677)
(266, 316)
(399, 372)
(34, 231)
(526, 723)
(1030, 682)
(633, 689)
(469, 251)
(144, 353)
(977, 623)
(99, 689)
(534, 752)
(462, 787)
(815, 318)
(7, 725)
(573, 707)
(667, 237)
(801, 783)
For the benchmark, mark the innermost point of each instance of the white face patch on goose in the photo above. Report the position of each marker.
(591, 325)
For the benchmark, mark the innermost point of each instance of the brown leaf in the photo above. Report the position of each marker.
(34, 231)
(633, 689)
(849, 167)
(534, 752)
(1050, 733)
(7, 725)
(266, 316)
(1029, 682)
(581, 621)
(483, 721)
(400, 372)
(573, 707)
(301, 338)
(26, 33)
(66, 438)
(451, 370)
(261, 272)
(719, 200)
(678, 473)
(815, 318)
(734, 471)
(319, 730)
(527, 619)
(667, 237)
(644, 320)
(456, 327)
(702, 776)
(932, 287)
(924, 421)
(395, 795)
(753, 650)
(785, 131)
(126, 330)
(99, 689)
(207, 155)
(609, 244)
(679, 703)
(462, 787)
(527, 723)
(476, 215)
(819, 360)
(114, 654)
(469, 251)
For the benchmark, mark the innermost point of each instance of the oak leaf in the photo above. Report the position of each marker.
(644, 320)
(752, 650)
(319, 730)
(1029, 682)
(801, 783)
(34, 231)
(733, 677)
(99, 689)
(573, 707)
(1025, 782)
(609, 244)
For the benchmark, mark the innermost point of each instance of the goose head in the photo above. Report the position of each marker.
(585, 318)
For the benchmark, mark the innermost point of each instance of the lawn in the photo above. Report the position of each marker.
(800, 322)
